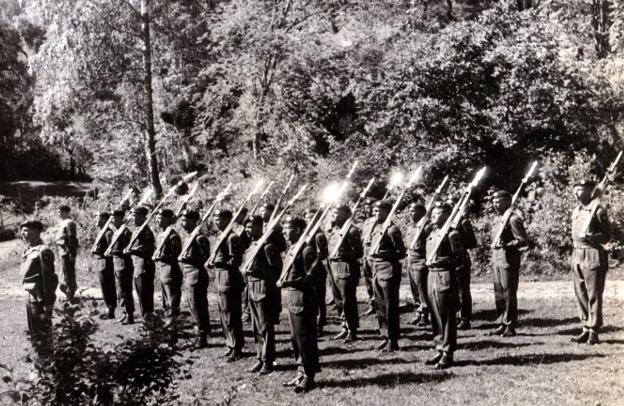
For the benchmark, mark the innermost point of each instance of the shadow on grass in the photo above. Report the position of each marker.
(388, 380)
(491, 344)
(489, 315)
(577, 330)
(541, 322)
(335, 351)
(352, 363)
(531, 359)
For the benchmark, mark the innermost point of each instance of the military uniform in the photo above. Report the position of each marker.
(40, 282)
(386, 266)
(261, 278)
(67, 242)
(442, 290)
(196, 284)
(141, 252)
(417, 270)
(278, 242)
(300, 285)
(506, 267)
(320, 245)
(169, 271)
(345, 268)
(244, 241)
(462, 273)
(122, 264)
(229, 284)
(367, 268)
(106, 272)
(589, 265)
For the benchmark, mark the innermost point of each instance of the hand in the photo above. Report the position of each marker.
(279, 284)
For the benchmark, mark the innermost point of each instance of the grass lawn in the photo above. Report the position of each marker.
(538, 367)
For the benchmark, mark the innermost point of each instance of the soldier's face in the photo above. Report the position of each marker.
(367, 210)
(163, 221)
(62, 214)
(439, 216)
(583, 193)
(254, 230)
(501, 203)
(30, 235)
(416, 213)
(220, 221)
(117, 220)
(338, 216)
(138, 218)
(380, 213)
(308, 216)
(291, 234)
(188, 224)
(265, 213)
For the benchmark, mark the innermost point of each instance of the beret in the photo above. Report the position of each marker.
(584, 182)
(254, 219)
(442, 205)
(64, 207)
(295, 221)
(223, 213)
(268, 206)
(141, 210)
(370, 200)
(104, 214)
(191, 214)
(34, 224)
(343, 207)
(166, 213)
(416, 205)
(384, 204)
(119, 212)
(501, 194)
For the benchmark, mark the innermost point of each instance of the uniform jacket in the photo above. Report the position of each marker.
(66, 237)
(450, 253)
(391, 246)
(37, 272)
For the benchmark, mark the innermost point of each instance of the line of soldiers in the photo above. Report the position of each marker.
(248, 268)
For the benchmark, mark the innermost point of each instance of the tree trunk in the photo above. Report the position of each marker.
(601, 23)
(148, 104)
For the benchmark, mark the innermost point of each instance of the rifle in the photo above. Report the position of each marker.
(230, 226)
(103, 230)
(279, 201)
(386, 224)
(152, 213)
(269, 229)
(395, 179)
(197, 229)
(420, 226)
(118, 232)
(456, 214)
(599, 190)
(262, 196)
(176, 215)
(344, 230)
(514, 200)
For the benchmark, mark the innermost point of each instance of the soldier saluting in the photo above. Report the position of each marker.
(589, 260)
(38, 277)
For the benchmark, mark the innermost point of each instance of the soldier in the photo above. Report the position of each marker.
(386, 266)
(442, 286)
(261, 278)
(417, 269)
(169, 246)
(367, 229)
(67, 242)
(104, 267)
(38, 278)
(122, 264)
(300, 283)
(229, 284)
(469, 241)
(279, 243)
(506, 263)
(589, 260)
(319, 244)
(244, 240)
(346, 271)
(196, 277)
(141, 252)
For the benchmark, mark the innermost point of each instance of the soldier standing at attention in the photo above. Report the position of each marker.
(104, 267)
(229, 283)
(417, 268)
(196, 277)
(141, 253)
(122, 264)
(345, 269)
(261, 278)
(300, 283)
(469, 241)
(506, 263)
(279, 243)
(589, 260)
(442, 286)
(319, 244)
(367, 229)
(244, 240)
(38, 278)
(67, 242)
(386, 265)
(169, 245)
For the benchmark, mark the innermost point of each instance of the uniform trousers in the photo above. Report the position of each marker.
(387, 281)
(229, 285)
(589, 267)
(442, 290)
(302, 309)
(106, 275)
